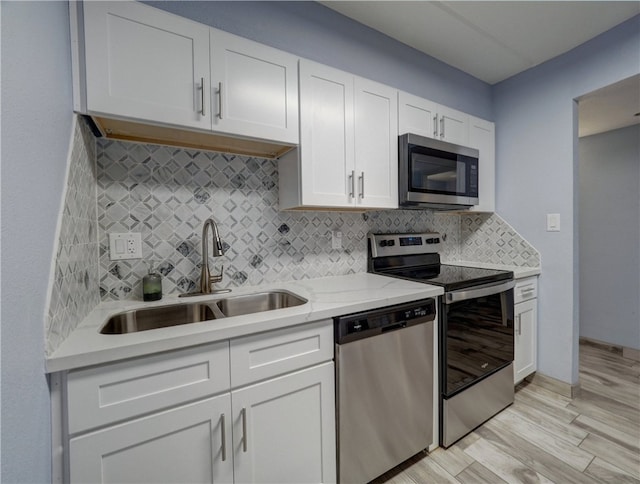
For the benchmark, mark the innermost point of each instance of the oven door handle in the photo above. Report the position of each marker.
(475, 292)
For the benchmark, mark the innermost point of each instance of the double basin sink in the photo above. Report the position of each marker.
(177, 314)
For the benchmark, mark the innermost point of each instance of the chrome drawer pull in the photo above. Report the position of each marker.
(244, 430)
(352, 184)
(224, 438)
(202, 95)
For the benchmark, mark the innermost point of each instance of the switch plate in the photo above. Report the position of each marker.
(336, 239)
(125, 246)
(553, 222)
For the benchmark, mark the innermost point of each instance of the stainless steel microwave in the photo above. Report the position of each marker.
(434, 174)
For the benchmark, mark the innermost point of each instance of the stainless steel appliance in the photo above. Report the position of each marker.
(476, 328)
(384, 388)
(436, 174)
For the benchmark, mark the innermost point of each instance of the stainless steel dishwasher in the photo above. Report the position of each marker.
(384, 388)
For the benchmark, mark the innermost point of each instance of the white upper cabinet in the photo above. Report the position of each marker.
(348, 153)
(420, 116)
(482, 138)
(254, 89)
(147, 75)
(376, 144)
(326, 152)
(146, 64)
(416, 115)
(453, 126)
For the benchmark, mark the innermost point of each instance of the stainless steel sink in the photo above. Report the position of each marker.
(160, 317)
(258, 302)
(165, 316)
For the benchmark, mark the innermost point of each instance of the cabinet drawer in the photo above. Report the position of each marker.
(104, 394)
(526, 289)
(257, 357)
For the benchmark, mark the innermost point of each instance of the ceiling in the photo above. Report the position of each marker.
(494, 40)
(491, 40)
(611, 107)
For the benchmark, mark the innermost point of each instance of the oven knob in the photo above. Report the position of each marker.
(428, 241)
(391, 243)
(436, 240)
(383, 243)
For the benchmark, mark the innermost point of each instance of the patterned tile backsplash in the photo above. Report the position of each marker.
(167, 193)
(486, 237)
(76, 277)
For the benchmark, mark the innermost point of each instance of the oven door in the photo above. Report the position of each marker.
(477, 334)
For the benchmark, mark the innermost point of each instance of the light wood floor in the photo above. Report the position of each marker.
(546, 437)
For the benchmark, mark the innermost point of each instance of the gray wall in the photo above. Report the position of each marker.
(318, 33)
(536, 174)
(36, 126)
(609, 228)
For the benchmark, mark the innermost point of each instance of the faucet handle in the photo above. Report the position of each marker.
(216, 277)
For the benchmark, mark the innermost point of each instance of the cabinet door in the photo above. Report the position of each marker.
(376, 144)
(284, 429)
(482, 138)
(525, 354)
(453, 126)
(146, 64)
(416, 115)
(255, 89)
(181, 445)
(326, 136)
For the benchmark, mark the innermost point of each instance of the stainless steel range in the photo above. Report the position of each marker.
(476, 328)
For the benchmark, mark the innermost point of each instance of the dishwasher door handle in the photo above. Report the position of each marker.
(394, 327)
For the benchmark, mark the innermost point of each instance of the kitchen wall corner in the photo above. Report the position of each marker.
(74, 291)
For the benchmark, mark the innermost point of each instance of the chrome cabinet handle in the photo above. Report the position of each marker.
(435, 126)
(352, 184)
(519, 324)
(361, 178)
(244, 430)
(202, 95)
(224, 438)
(220, 100)
(442, 127)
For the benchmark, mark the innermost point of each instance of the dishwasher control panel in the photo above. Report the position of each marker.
(356, 326)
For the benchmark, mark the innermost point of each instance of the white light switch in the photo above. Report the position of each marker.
(125, 246)
(553, 222)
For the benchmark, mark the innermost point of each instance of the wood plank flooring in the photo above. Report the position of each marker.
(545, 437)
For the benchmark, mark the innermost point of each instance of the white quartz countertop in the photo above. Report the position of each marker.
(327, 297)
(518, 272)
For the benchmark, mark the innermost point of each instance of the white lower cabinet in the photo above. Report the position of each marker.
(191, 443)
(526, 328)
(283, 429)
(186, 416)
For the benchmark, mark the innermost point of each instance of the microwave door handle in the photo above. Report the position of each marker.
(473, 293)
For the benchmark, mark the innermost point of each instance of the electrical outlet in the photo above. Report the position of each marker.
(125, 246)
(336, 239)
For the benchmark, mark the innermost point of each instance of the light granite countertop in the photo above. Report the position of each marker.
(327, 297)
(518, 272)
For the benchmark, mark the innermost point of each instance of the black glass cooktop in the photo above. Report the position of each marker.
(450, 277)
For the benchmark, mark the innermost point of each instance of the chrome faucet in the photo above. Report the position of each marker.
(206, 279)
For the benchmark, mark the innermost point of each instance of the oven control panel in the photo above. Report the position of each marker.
(384, 245)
